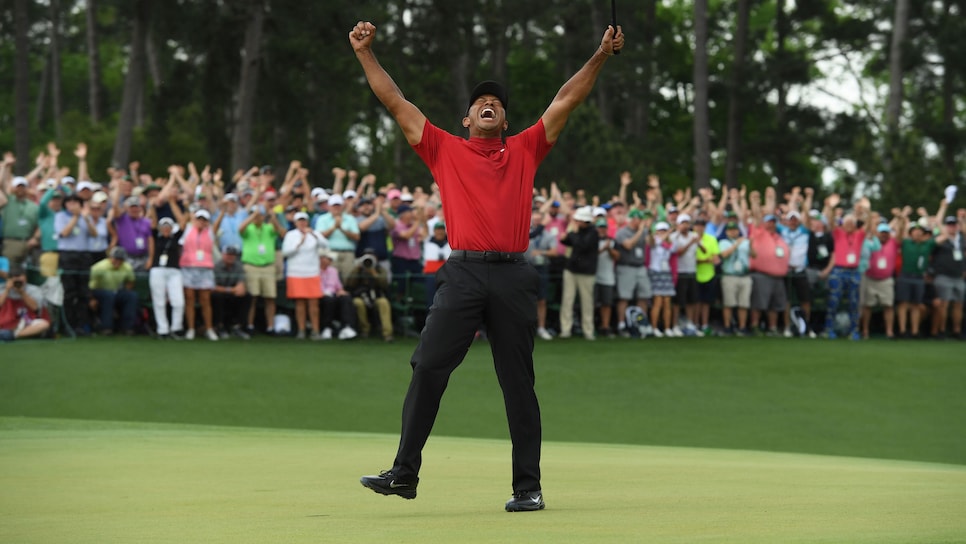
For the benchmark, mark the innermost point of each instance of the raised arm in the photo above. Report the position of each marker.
(408, 116)
(576, 89)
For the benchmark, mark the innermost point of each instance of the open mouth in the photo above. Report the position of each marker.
(487, 113)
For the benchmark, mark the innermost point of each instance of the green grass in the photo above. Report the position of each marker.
(101, 482)
(878, 399)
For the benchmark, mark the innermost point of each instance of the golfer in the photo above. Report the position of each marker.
(486, 184)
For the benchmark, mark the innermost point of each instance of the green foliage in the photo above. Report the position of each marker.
(314, 104)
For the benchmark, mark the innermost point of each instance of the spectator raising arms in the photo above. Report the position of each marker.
(198, 272)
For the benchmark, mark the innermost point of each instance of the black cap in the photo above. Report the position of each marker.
(950, 220)
(489, 87)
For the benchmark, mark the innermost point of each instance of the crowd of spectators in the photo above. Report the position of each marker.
(191, 253)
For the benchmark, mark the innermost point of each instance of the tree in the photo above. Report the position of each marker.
(702, 128)
(133, 86)
(94, 84)
(241, 142)
(735, 95)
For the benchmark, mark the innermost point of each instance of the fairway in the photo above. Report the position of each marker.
(712, 440)
(103, 482)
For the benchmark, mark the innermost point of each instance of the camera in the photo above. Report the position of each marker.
(18, 284)
(368, 261)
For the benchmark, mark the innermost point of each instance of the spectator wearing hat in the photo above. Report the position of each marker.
(605, 279)
(394, 198)
(228, 221)
(20, 232)
(949, 268)
(435, 252)
(735, 279)
(769, 267)
(99, 240)
(819, 263)
(797, 237)
(708, 257)
(132, 230)
(229, 299)
(198, 272)
(259, 231)
(342, 232)
(336, 302)
(112, 285)
(22, 311)
(368, 283)
(845, 278)
(375, 223)
(686, 285)
(51, 203)
(73, 233)
(579, 273)
(660, 271)
(165, 280)
(407, 246)
(878, 287)
(915, 250)
(631, 275)
(303, 281)
(542, 246)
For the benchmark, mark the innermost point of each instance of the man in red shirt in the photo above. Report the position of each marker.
(486, 186)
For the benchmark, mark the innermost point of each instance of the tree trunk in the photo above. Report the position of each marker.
(949, 138)
(702, 145)
(241, 140)
(133, 87)
(642, 107)
(21, 86)
(735, 117)
(40, 112)
(781, 130)
(894, 104)
(94, 84)
(55, 88)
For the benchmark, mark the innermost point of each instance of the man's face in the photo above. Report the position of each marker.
(770, 226)
(134, 211)
(884, 236)
(733, 233)
(793, 222)
(20, 191)
(699, 228)
(486, 117)
(848, 224)
(116, 263)
(816, 225)
(73, 206)
(536, 218)
(553, 211)
(683, 228)
(228, 258)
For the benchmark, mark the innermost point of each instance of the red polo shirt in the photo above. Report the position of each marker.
(486, 187)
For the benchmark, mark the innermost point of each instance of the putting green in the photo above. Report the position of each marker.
(100, 482)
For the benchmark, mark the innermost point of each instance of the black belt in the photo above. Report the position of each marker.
(486, 256)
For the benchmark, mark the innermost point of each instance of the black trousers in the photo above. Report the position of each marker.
(228, 310)
(76, 266)
(338, 307)
(502, 296)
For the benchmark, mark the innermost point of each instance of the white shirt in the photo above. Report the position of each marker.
(302, 261)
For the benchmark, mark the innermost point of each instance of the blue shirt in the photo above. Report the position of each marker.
(797, 241)
(228, 234)
(737, 263)
(338, 241)
(76, 240)
(4, 267)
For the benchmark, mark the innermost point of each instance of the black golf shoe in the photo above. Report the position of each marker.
(387, 484)
(525, 501)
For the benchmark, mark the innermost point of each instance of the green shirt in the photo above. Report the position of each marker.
(704, 272)
(105, 276)
(915, 256)
(48, 238)
(19, 219)
(258, 244)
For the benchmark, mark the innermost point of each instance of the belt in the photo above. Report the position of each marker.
(486, 256)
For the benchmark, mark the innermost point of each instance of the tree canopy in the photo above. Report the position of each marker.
(815, 94)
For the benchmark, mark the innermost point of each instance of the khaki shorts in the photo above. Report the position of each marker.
(736, 291)
(260, 280)
(878, 292)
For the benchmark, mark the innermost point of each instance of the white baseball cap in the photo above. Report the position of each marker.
(406, 197)
(336, 200)
(584, 214)
(85, 185)
(349, 194)
(662, 226)
(684, 218)
(20, 181)
(203, 214)
(301, 215)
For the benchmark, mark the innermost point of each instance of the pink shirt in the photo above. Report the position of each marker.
(848, 247)
(407, 249)
(331, 284)
(197, 247)
(771, 252)
(882, 263)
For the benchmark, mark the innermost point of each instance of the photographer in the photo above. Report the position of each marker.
(22, 312)
(368, 283)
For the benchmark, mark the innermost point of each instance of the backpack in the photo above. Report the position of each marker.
(637, 323)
